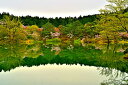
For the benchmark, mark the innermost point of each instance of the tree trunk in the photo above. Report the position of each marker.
(108, 41)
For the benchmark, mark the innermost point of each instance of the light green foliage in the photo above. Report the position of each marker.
(117, 6)
(54, 40)
(33, 28)
(3, 33)
(108, 27)
(113, 20)
(117, 22)
(122, 21)
(11, 22)
(10, 30)
(33, 33)
(77, 42)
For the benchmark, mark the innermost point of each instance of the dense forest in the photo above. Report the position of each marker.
(39, 21)
(110, 26)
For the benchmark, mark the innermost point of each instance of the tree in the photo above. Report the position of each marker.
(115, 6)
(90, 29)
(109, 27)
(75, 29)
(11, 31)
(116, 11)
(47, 29)
(113, 19)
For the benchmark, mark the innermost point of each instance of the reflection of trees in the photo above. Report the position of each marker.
(20, 51)
(113, 58)
(56, 48)
(29, 55)
(115, 77)
(70, 47)
(11, 56)
(33, 51)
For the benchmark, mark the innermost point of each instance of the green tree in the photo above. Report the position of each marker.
(115, 6)
(108, 27)
(90, 29)
(47, 29)
(75, 29)
(11, 30)
(113, 20)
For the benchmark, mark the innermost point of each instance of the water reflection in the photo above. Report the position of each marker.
(115, 77)
(52, 74)
(56, 48)
(110, 60)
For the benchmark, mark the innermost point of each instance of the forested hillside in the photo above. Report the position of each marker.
(110, 26)
(39, 21)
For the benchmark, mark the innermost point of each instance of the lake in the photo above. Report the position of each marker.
(64, 64)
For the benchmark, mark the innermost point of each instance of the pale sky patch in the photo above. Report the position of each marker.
(52, 8)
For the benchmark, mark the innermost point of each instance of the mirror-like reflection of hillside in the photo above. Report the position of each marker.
(109, 60)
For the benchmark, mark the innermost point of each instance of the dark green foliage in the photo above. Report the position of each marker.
(39, 21)
(76, 29)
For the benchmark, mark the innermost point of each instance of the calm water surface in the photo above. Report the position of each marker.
(57, 75)
(63, 65)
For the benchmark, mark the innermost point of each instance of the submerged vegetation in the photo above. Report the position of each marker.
(111, 26)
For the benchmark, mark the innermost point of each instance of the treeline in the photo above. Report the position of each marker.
(39, 21)
(111, 26)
